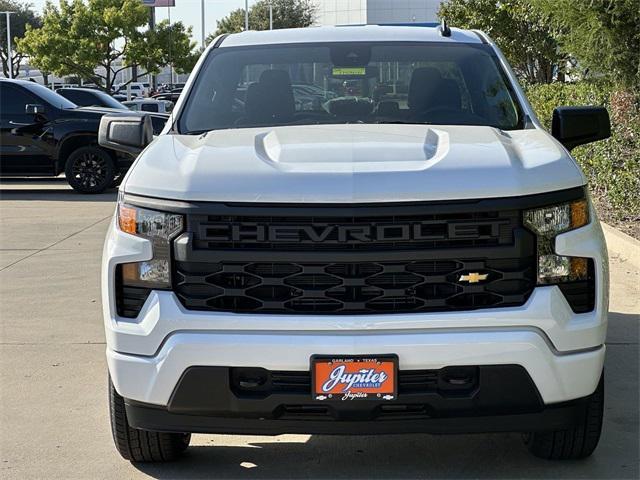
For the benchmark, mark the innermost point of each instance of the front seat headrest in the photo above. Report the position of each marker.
(421, 88)
(271, 98)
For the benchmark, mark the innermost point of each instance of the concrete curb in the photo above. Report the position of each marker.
(628, 248)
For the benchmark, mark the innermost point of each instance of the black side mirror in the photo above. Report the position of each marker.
(573, 126)
(129, 133)
(158, 121)
(34, 109)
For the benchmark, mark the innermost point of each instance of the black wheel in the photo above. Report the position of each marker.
(90, 170)
(575, 443)
(142, 445)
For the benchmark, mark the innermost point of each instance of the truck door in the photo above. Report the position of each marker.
(23, 147)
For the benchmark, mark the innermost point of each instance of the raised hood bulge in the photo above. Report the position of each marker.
(352, 164)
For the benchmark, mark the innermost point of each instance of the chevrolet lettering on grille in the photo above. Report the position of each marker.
(355, 233)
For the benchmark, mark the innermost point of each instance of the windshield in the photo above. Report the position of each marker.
(304, 84)
(109, 101)
(52, 98)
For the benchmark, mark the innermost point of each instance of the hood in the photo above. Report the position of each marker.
(102, 110)
(90, 112)
(352, 164)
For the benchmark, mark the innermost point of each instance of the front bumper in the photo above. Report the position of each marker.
(558, 377)
(561, 351)
(492, 398)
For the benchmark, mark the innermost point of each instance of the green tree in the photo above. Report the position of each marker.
(603, 35)
(97, 39)
(286, 14)
(521, 30)
(24, 16)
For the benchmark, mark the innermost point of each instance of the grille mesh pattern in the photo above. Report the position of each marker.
(362, 287)
(344, 260)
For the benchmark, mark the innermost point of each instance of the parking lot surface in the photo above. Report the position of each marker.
(53, 377)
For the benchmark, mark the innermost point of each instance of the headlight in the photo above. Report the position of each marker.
(547, 223)
(158, 227)
(551, 221)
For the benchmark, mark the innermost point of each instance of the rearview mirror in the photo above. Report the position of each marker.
(125, 133)
(34, 109)
(573, 126)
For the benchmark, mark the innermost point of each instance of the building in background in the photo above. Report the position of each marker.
(344, 12)
(27, 72)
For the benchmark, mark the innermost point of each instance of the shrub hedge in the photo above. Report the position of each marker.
(612, 166)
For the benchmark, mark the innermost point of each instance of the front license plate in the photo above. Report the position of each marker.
(354, 378)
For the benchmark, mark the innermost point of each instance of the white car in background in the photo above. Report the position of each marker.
(149, 105)
(138, 90)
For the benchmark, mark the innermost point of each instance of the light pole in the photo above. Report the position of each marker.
(270, 14)
(202, 22)
(9, 42)
(246, 15)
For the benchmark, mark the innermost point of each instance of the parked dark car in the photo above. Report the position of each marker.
(44, 134)
(171, 96)
(89, 97)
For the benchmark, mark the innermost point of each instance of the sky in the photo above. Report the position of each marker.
(188, 12)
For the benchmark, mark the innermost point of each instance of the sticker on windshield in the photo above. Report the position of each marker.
(349, 71)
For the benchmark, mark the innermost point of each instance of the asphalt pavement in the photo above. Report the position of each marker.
(53, 377)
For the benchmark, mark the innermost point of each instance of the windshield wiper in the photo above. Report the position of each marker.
(196, 132)
(401, 122)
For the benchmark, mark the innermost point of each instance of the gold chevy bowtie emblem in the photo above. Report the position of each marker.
(474, 277)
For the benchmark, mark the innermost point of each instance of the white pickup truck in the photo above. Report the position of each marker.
(400, 248)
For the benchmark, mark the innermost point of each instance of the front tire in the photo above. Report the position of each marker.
(90, 170)
(574, 443)
(142, 445)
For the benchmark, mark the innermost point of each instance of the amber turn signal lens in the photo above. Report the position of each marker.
(579, 213)
(127, 219)
(579, 268)
(130, 274)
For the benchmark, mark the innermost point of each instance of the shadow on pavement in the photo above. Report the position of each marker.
(500, 456)
(48, 189)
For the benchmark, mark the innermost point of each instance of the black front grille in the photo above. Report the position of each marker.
(352, 287)
(368, 260)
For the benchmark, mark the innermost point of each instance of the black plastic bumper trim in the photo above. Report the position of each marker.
(456, 399)
(553, 417)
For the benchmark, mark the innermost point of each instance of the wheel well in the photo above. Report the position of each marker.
(73, 143)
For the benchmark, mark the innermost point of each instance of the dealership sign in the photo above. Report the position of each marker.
(159, 3)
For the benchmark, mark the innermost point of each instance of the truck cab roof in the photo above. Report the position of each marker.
(352, 33)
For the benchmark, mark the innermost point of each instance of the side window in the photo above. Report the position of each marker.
(85, 99)
(13, 100)
(71, 95)
(148, 107)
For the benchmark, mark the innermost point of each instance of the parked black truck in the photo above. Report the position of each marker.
(44, 134)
